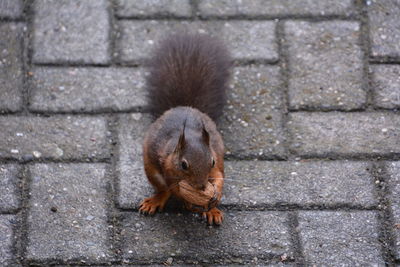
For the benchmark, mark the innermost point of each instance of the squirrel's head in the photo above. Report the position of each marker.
(192, 158)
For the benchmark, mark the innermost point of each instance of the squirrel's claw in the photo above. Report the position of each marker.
(151, 204)
(214, 215)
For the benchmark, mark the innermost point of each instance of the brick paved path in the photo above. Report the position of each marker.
(312, 131)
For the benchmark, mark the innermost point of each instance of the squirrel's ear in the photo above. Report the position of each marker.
(206, 136)
(181, 142)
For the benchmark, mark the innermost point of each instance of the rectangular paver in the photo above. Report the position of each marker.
(9, 187)
(386, 85)
(71, 31)
(340, 238)
(67, 218)
(384, 25)
(133, 186)
(252, 120)
(318, 183)
(245, 39)
(11, 80)
(275, 7)
(352, 134)
(325, 65)
(137, 8)
(6, 240)
(394, 197)
(57, 137)
(11, 9)
(243, 234)
(87, 89)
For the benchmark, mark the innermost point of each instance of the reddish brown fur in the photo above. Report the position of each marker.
(189, 73)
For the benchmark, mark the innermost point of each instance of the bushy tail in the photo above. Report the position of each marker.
(189, 70)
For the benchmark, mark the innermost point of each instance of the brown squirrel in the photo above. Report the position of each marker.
(186, 91)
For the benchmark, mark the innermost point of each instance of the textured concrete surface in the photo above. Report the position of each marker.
(58, 137)
(384, 28)
(68, 212)
(254, 111)
(245, 39)
(311, 132)
(266, 235)
(11, 50)
(275, 7)
(394, 200)
(9, 187)
(386, 81)
(71, 31)
(55, 89)
(336, 133)
(340, 238)
(325, 62)
(137, 8)
(311, 183)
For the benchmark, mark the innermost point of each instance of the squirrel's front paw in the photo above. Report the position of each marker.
(151, 204)
(214, 215)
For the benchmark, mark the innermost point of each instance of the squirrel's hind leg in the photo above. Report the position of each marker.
(157, 202)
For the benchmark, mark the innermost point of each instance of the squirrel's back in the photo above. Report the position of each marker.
(189, 70)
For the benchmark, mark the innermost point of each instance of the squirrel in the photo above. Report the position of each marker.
(186, 87)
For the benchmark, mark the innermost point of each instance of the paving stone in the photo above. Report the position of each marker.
(384, 25)
(9, 191)
(133, 186)
(57, 137)
(275, 7)
(318, 183)
(71, 31)
(11, 9)
(334, 133)
(252, 120)
(340, 238)
(11, 66)
(325, 65)
(394, 187)
(135, 8)
(243, 234)
(87, 89)
(67, 217)
(6, 240)
(245, 39)
(386, 85)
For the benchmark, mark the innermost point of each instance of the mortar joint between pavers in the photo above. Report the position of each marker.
(385, 213)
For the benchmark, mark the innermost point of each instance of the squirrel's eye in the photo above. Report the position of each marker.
(185, 165)
(213, 162)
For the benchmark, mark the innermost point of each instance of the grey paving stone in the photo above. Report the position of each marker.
(252, 120)
(6, 239)
(9, 191)
(384, 27)
(350, 134)
(322, 183)
(275, 7)
(243, 234)
(133, 186)
(57, 137)
(135, 8)
(71, 31)
(386, 85)
(87, 89)
(325, 65)
(67, 217)
(394, 187)
(340, 238)
(11, 9)
(245, 39)
(11, 66)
